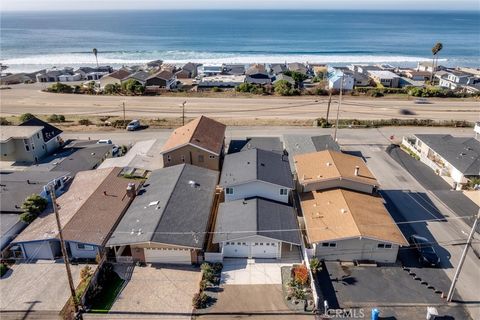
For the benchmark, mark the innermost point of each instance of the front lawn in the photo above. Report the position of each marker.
(105, 299)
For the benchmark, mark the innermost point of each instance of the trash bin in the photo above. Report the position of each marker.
(375, 314)
(432, 313)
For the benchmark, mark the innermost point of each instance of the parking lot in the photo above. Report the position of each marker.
(160, 291)
(40, 286)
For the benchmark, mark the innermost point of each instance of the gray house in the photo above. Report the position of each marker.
(265, 143)
(256, 173)
(169, 219)
(256, 228)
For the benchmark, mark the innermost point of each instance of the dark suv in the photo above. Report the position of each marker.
(428, 256)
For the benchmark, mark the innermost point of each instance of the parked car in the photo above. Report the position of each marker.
(105, 141)
(422, 101)
(428, 256)
(133, 125)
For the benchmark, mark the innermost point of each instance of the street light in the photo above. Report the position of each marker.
(183, 112)
(338, 109)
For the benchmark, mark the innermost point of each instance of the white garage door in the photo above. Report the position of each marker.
(267, 250)
(236, 249)
(162, 255)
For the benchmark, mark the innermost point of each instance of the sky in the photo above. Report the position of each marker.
(67, 5)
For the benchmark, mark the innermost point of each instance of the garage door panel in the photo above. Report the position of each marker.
(236, 249)
(162, 255)
(266, 250)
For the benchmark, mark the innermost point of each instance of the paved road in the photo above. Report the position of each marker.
(29, 98)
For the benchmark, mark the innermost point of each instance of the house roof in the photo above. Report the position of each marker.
(282, 76)
(298, 67)
(261, 81)
(162, 74)
(382, 74)
(190, 66)
(82, 188)
(173, 207)
(338, 214)
(329, 165)
(202, 132)
(17, 132)
(245, 218)
(9, 220)
(300, 144)
(94, 221)
(75, 157)
(16, 186)
(256, 165)
(119, 74)
(463, 153)
(143, 155)
(265, 143)
(256, 68)
(139, 75)
(49, 132)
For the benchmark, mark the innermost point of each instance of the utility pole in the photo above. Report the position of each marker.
(328, 107)
(123, 105)
(462, 259)
(64, 250)
(183, 112)
(338, 110)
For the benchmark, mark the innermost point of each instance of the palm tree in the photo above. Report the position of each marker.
(435, 50)
(95, 52)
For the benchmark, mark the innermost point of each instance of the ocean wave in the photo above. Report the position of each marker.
(36, 62)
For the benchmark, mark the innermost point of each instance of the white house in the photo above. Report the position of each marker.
(256, 173)
(221, 81)
(335, 77)
(385, 78)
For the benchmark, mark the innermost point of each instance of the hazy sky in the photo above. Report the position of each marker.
(48, 5)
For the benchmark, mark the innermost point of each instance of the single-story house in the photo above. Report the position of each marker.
(417, 75)
(115, 77)
(233, 69)
(200, 142)
(332, 169)
(189, 70)
(169, 219)
(257, 74)
(163, 79)
(70, 77)
(385, 78)
(16, 78)
(53, 74)
(265, 143)
(457, 159)
(88, 211)
(210, 69)
(256, 173)
(347, 226)
(297, 67)
(255, 228)
(335, 76)
(140, 76)
(221, 81)
(299, 144)
(278, 68)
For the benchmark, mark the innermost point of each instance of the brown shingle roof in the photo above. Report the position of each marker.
(202, 132)
(338, 214)
(328, 165)
(119, 74)
(98, 216)
(163, 74)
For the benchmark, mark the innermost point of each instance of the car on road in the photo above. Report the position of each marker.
(428, 256)
(421, 101)
(133, 125)
(407, 112)
(104, 141)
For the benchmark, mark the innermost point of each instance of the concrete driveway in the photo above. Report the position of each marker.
(160, 291)
(41, 286)
(252, 271)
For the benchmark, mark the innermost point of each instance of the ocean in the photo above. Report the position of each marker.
(32, 41)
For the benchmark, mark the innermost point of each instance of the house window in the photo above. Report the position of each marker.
(38, 135)
(169, 158)
(85, 247)
(201, 158)
(33, 146)
(182, 157)
(211, 157)
(329, 244)
(384, 246)
(283, 192)
(228, 190)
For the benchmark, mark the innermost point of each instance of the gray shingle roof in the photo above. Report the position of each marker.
(256, 164)
(168, 209)
(461, 152)
(265, 143)
(257, 216)
(300, 144)
(18, 185)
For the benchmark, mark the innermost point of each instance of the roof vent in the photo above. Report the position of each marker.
(328, 164)
(153, 203)
(357, 168)
(193, 184)
(262, 164)
(343, 210)
(132, 232)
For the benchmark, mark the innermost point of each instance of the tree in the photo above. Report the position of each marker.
(300, 274)
(55, 118)
(60, 88)
(32, 207)
(111, 88)
(26, 116)
(435, 51)
(95, 53)
(283, 88)
(297, 76)
(132, 86)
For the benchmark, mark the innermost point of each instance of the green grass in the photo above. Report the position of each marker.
(108, 295)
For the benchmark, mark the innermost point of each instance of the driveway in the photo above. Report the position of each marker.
(252, 271)
(40, 286)
(160, 291)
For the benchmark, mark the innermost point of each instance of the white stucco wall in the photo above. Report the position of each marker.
(258, 189)
(76, 253)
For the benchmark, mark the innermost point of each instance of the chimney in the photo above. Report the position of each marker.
(131, 190)
(357, 168)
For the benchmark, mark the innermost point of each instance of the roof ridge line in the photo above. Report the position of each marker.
(351, 212)
(196, 128)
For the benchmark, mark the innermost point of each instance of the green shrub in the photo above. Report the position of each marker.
(56, 118)
(60, 88)
(32, 207)
(4, 122)
(315, 264)
(248, 87)
(132, 86)
(84, 122)
(321, 92)
(199, 300)
(283, 88)
(3, 269)
(27, 217)
(375, 93)
(112, 88)
(216, 89)
(26, 116)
